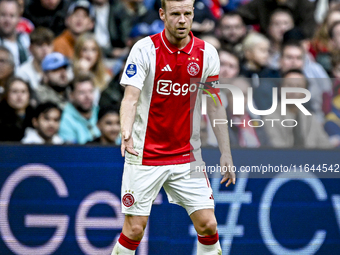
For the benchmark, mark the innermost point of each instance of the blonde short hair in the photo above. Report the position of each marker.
(253, 39)
(163, 5)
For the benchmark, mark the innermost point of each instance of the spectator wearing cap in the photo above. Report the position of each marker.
(6, 68)
(55, 80)
(46, 122)
(308, 133)
(79, 118)
(41, 46)
(109, 126)
(79, 20)
(16, 43)
(258, 11)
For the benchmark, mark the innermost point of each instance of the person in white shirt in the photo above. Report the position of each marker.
(17, 43)
(46, 122)
(41, 46)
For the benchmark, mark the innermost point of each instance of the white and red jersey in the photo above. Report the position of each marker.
(166, 130)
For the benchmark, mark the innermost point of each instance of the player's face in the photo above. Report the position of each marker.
(109, 126)
(178, 17)
(48, 123)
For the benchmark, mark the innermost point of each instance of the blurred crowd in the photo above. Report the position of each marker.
(61, 63)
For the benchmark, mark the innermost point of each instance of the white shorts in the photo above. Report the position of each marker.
(141, 184)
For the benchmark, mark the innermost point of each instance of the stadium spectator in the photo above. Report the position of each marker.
(101, 27)
(15, 110)
(88, 58)
(281, 20)
(48, 13)
(17, 43)
(256, 52)
(210, 38)
(244, 135)
(335, 61)
(308, 133)
(55, 80)
(46, 122)
(258, 11)
(229, 64)
(231, 31)
(109, 126)
(114, 93)
(320, 85)
(204, 21)
(127, 18)
(332, 119)
(6, 68)
(229, 69)
(41, 46)
(321, 41)
(79, 118)
(24, 25)
(79, 20)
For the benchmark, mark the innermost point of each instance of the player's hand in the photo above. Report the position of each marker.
(227, 170)
(127, 145)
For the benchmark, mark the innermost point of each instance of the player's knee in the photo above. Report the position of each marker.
(136, 232)
(208, 227)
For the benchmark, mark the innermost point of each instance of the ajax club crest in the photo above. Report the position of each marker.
(128, 200)
(193, 68)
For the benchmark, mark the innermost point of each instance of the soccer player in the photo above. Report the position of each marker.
(160, 128)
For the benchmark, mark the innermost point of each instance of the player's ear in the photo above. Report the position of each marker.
(161, 14)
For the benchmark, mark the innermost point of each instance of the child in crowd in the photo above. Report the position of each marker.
(46, 122)
(256, 52)
(109, 126)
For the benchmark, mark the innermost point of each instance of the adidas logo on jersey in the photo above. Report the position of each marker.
(166, 68)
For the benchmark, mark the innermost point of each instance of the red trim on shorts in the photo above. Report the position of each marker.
(208, 240)
(127, 242)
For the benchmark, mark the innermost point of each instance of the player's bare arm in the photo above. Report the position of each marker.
(222, 135)
(127, 118)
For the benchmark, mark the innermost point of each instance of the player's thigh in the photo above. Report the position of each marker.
(204, 221)
(140, 186)
(192, 193)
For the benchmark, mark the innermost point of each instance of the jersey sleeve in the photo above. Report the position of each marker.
(212, 69)
(136, 68)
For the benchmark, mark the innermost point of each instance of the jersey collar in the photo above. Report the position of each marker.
(172, 49)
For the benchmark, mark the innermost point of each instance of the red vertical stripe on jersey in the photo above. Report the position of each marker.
(169, 128)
